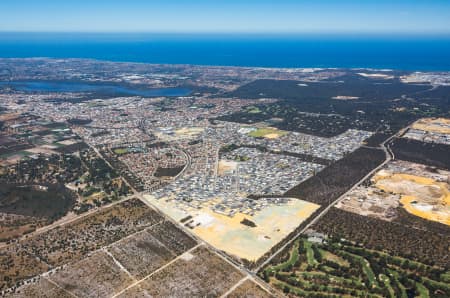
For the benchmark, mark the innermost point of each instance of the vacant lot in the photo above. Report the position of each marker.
(141, 254)
(95, 276)
(421, 196)
(249, 289)
(43, 289)
(438, 125)
(17, 265)
(172, 237)
(197, 274)
(71, 242)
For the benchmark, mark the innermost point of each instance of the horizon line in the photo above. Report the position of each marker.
(417, 33)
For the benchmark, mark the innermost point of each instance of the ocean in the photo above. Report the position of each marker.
(346, 51)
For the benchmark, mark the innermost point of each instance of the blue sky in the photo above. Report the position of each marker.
(262, 16)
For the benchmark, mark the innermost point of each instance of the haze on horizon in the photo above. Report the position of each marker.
(222, 16)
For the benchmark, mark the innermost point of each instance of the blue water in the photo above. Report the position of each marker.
(372, 51)
(56, 86)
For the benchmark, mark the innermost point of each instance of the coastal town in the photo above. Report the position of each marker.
(189, 166)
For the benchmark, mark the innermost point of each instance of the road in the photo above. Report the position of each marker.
(224, 256)
(389, 156)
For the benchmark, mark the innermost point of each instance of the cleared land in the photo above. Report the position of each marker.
(43, 289)
(17, 265)
(141, 254)
(200, 273)
(249, 289)
(273, 223)
(188, 132)
(95, 276)
(438, 125)
(226, 166)
(72, 242)
(172, 237)
(420, 190)
(423, 197)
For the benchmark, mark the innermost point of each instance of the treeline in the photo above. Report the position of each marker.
(168, 172)
(50, 203)
(431, 154)
(333, 181)
(398, 240)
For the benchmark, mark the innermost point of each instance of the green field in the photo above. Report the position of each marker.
(120, 151)
(253, 110)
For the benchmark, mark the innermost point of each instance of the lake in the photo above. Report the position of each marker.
(110, 89)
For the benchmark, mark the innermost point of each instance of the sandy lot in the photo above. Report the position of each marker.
(226, 166)
(189, 131)
(437, 125)
(273, 223)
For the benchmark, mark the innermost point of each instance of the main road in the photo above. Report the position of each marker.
(389, 157)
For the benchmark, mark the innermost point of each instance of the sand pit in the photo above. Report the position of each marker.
(421, 196)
